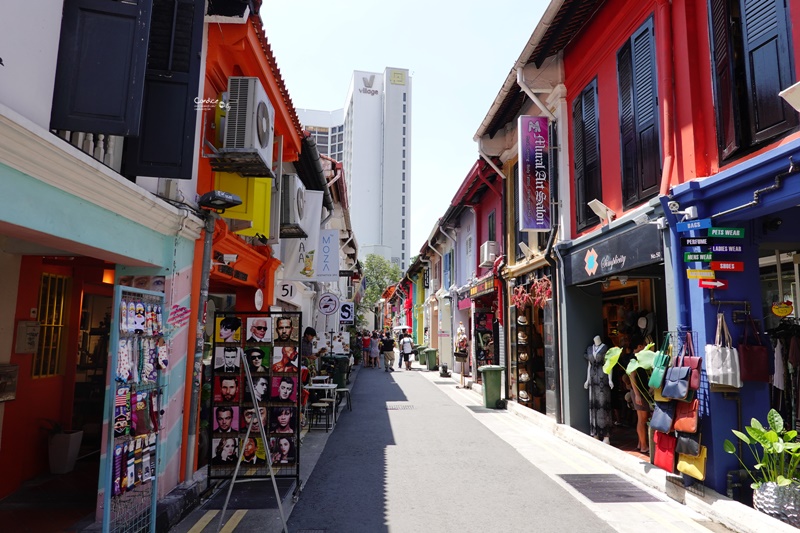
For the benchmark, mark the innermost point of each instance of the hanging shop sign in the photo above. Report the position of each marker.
(328, 250)
(728, 266)
(426, 279)
(347, 313)
(691, 225)
(328, 303)
(782, 309)
(690, 257)
(637, 247)
(713, 284)
(481, 287)
(692, 273)
(726, 233)
(534, 173)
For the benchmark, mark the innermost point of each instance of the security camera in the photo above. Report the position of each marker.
(229, 258)
(674, 206)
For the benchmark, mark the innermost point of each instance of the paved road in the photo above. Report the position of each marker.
(419, 454)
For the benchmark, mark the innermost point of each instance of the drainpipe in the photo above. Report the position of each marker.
(532, 95)
(666, 89)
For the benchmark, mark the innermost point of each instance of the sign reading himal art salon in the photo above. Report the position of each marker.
(534, 174)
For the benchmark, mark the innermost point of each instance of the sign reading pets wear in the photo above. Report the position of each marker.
(534, 173)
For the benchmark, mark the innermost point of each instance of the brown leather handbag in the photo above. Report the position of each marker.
(753, 358)
(686, 416)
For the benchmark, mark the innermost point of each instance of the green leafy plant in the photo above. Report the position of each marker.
(774, 448)
(52, 427)
(642, 359)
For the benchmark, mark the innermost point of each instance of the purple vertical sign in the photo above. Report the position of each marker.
(534, 174)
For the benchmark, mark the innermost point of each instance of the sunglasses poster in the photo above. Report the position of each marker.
(259, 329)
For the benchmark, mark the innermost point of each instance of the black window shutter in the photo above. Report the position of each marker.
(728, 118)
(591, 150)
(767, 67)
(645, 102)
(101, 64)
(165, 147)
(580, 163)
(627, 127)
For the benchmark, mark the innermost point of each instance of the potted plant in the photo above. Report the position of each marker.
(775, 473)
(63, 447)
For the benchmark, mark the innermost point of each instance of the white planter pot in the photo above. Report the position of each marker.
(63, 451)
(778, 502)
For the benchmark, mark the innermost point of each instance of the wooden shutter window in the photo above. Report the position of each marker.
(768, 68)
(645, 103)
(101, 65)
(630, 193)
(587, 154)
(728, 117)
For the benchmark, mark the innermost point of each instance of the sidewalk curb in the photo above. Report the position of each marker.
(712, 505)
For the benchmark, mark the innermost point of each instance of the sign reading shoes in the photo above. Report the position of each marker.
(368, 83)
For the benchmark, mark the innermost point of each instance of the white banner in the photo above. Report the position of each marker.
(328, 252)
(300, 256)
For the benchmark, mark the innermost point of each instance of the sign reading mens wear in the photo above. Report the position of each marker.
(637, 247)
(347, 313)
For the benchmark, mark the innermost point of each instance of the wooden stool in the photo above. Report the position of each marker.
(346, 393)
(318, 409)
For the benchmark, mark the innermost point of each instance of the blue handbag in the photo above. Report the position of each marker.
(676, 382)
(663, 416)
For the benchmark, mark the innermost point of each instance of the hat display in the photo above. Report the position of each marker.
(522, 320)
(522, 337)
(523, 356)
(524, 377)
(524, 396)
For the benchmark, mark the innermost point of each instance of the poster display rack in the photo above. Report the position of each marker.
(134, 409)
(256, 386)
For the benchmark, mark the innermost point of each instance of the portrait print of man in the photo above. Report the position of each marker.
(226, 419)
(286, 359)
(283, 388)
(259, 329)
(227, 359)
(285, 330)
(257, 359)
(226, 389)
(247, 418)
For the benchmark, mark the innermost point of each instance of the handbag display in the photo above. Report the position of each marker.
(658, 397)
(660, 364)
(676, 383)
(689, 359)
(686, 416)
(753, 358)
(664, 456)
(663, 416)
(694, 466)
(688, 444)
(722, 359)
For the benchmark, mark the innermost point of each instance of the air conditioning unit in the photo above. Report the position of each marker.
(293, 203)
(249, 128)
(488, 254)
(434, 285)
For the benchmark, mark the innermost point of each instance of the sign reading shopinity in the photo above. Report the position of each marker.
(726, 233)
(692, 273)
(713, 283)
(534, 173)
(691, 225)
(728, 266)
(690, 257)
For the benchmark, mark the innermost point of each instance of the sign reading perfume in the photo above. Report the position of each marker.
(534, 174)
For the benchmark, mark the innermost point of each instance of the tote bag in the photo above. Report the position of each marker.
(693, 466)
(722, 359)
(753, 358)
(693, 362)
(660, 364)
(664, 456)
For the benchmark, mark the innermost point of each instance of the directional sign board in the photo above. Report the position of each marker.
(690, 257)
(696, 241)
(728, 266)
(726, 233)
(692, 273)
(691, 225)
(713, 283)
(727, 248)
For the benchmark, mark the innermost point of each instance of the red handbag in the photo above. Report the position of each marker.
(753, 358)
(664, 456)
(692, 361)
(686, 416)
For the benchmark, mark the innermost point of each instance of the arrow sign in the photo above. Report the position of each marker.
(729, 266)
(701, 223)
(713, 283)
(727, 233)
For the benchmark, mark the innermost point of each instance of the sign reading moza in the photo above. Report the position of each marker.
(534, 173)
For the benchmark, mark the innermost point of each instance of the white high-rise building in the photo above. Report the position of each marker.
(376, 155)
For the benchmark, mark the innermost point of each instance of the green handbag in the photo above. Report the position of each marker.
(660, 364)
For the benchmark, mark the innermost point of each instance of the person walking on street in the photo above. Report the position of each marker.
(406, 347)
(387, 347)
(366, 343)
(375, 349)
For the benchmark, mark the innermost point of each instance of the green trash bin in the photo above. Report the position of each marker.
(431, 356)
(491, 385)
(419, 350)
(341, 363)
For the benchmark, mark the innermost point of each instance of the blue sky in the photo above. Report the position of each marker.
(458, 52)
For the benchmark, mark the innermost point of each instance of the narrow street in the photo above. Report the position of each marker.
(417, 453)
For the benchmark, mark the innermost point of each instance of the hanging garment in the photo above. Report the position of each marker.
(778, 378)
(599, 392)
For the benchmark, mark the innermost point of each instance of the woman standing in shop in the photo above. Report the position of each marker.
(599, 385)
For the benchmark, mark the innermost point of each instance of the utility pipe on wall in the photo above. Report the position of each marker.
(532, 95)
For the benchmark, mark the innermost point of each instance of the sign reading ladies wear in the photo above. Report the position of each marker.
(300, 256)
(328, 251)
(534, 174)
